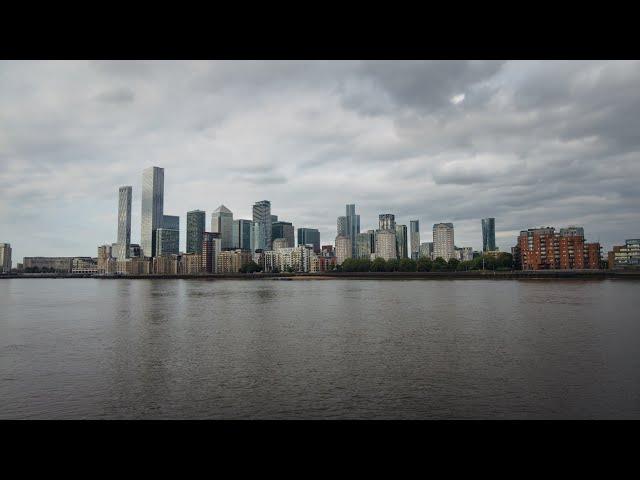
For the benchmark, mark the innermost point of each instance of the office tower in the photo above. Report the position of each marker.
(544, 249)
(342, 226)
(309, 236)
(222, 223)
(443, 245)
(134, 250)
(152, 208)
(426, 250)
(353, 224)
(196, 220)
(280, 243)
(386, 244)
(488, 234)
(401, 241)
(211, 248)
(5, 258)
(124, 222)
(283, 230)
(274, 218)
(167, 241)
(387, 221)
(414, 229)
(372, 240)
(262, 221)
(363, 249)
(171, 222)
(243, 234)
(343, 248)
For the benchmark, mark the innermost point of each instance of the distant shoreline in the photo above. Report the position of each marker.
(471, 275)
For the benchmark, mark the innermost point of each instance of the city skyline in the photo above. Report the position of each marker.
(424, 150)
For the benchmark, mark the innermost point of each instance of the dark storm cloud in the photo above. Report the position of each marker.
(529, 143)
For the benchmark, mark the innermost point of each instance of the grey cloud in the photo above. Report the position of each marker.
(117, 95)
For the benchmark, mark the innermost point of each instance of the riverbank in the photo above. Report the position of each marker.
(476, 274)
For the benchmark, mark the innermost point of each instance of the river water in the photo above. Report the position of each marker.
(319, 349)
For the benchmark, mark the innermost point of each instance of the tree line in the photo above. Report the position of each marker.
(503, 261)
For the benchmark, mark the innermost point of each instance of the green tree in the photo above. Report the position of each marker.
(393, 265)
(407, 265)
(453, 263)
(424, 264)
(379, 265)
(251, 267)
(439, 265)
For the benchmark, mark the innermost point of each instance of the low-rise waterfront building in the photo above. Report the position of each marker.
(86, 265)
(625, 256)
(51, 264)
(231, 261)
(545, 249)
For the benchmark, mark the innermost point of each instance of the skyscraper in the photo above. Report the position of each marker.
(262, 221)
(168, 236)
(363, 246)
(5, 257)
(387, 221)
(386, 244)
(124, 222)
(414, 228)
(283, 230)
(401, 241)
(152, 208)
(488, 234)
(443, 244)
(222, 223)
(196, 220)
(210, 251)
(353, 225)
(343, 248)
(341, 227)
(243, 234)
(309, 236)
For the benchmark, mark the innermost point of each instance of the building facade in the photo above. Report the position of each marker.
(211, 248)
(222, 223)
(341, 227)
(283, 230)
(152, 208)
(167, 241)
(401, 241)
(5, 258)
(414, 239)
(262, 222)
(243, 234)
(196, 220)
(387, 221)
(54, 264)
(353, 224)
(309, 236)
(343, 248)
(363, 249)
(386, 244)
(545, 249)
(280, 243)
(488, 234)
(443, 241)
(124, 222)
(231, 261)
(426, 250)
(625, 256)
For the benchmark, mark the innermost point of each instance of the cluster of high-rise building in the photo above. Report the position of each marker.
(226, 247)
(230, 245)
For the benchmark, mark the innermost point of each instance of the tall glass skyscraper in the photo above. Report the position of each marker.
(152, 208)
(488, 234)
(414, 232)
(195, 228)
(309, 236)
(401, 241)
(353, 225)
(283, 230)
(262, 222)
(124, 222)
(243, 234)
(222, 223)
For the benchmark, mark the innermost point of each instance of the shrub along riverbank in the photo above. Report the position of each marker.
(502, 262)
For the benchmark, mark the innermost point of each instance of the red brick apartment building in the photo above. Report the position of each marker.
(545, 249)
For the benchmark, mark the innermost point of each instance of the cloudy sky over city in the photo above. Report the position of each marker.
(530, 143)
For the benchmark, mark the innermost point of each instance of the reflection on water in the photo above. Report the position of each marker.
(83, 348)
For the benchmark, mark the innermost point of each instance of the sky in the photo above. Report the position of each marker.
(531, 143)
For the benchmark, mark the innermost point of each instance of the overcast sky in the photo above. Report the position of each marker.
(529, 143)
